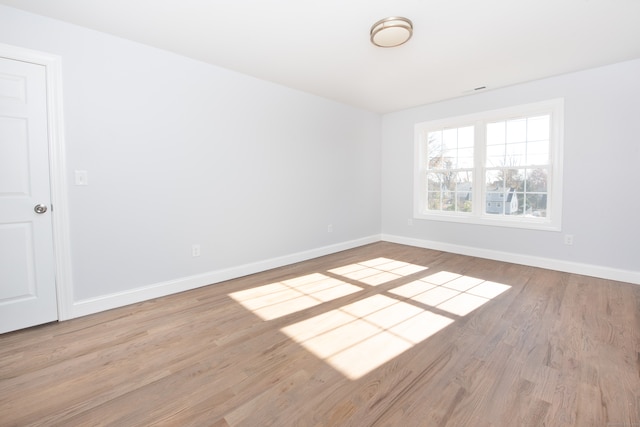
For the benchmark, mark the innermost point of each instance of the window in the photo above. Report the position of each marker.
(500, 167)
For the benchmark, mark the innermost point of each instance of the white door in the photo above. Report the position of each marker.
(27, 273)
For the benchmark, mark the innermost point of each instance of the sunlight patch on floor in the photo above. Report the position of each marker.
(378, 271)
(289, 296)
(361, 336)
(451, 292)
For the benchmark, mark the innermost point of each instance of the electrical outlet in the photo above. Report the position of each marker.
(195, 250)
(410, 222)
(568, 239)
(330, 228)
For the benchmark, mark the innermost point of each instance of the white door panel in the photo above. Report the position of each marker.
(27, 274)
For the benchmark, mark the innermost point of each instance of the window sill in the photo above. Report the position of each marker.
(530, 223)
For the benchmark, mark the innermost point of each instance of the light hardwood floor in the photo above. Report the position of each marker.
(383, 335)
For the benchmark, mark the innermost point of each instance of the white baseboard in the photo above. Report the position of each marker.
(548, 263)
(120, 299)
(144, 293)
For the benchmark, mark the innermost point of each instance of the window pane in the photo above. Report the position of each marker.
(495, 203)
(505, 189)
(496, 133)
(519, 209)
(465, 158)
(515, 179)
(434, 149)
(465, 176)
(435, 181)
(538, 152)
(449, 159)
(517, 130)
(434, 200)
(448, 200)
(450, 139)
(495, 155)
(511, 178)
(464, 193)
(536, 205)
(503, 202)
(538, 128)
(444, 181)
(536, 180)
(494, 180)
(434, 137)
(465, 137)
(516, 154)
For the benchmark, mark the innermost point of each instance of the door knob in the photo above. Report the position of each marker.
(40, 209)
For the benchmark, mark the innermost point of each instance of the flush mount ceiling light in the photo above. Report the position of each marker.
(391, 32)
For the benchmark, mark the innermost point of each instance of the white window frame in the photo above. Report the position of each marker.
(553, 218)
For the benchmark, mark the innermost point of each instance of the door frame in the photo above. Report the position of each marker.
(57, 171)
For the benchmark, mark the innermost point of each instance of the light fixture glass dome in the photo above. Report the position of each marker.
(391, 32)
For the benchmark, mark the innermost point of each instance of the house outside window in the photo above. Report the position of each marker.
(500, 167)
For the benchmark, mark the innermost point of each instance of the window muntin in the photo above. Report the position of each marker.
(513, 154)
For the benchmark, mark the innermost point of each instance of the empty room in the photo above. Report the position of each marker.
(286, 213)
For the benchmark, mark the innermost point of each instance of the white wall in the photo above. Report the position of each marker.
(601, 159)
(180, 152)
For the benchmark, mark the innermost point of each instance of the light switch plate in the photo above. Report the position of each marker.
(82, 178)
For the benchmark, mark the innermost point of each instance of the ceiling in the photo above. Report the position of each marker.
(322, 47)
